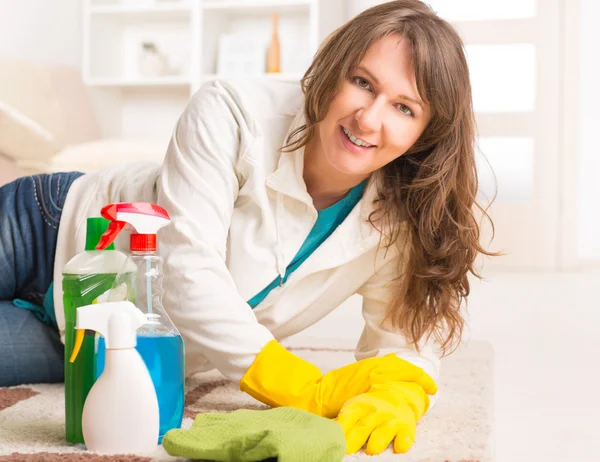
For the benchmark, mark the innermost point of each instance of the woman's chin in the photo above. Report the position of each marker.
(350, 165)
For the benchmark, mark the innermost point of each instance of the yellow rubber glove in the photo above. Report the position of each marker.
(387, 412)
(280, 378)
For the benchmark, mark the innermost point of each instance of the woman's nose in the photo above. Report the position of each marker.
(368, 117)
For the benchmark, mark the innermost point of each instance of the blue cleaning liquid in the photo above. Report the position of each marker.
(163, 356)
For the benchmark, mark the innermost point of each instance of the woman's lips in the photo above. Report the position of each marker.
(350, 146)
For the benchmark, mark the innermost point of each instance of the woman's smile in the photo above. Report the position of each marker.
(369, 122)
(353, 143)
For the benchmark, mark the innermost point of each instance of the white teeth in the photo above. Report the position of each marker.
(355, 140)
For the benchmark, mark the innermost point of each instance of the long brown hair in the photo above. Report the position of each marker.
(433, 186)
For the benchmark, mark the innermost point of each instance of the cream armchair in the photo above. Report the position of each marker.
(47, 124)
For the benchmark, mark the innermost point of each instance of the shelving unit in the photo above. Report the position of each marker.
(280, 77)
(257, 6)
(166, 82)
(181, 9)
(187, 33)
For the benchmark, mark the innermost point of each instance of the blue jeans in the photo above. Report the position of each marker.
(30, 211)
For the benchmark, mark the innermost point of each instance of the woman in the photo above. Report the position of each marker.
(286, 201)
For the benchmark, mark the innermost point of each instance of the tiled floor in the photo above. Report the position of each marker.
(545, 330)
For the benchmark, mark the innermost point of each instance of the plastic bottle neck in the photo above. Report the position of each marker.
(143, 253)
(120, 359)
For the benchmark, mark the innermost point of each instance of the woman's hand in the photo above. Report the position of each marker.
(340, 385)
(387, 412)
(280, 378)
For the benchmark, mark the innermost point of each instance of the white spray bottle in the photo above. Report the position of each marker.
(120, 414)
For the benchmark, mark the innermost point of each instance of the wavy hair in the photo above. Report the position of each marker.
(433, 186)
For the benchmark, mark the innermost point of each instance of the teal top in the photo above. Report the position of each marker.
(44, 313)
(328, 220)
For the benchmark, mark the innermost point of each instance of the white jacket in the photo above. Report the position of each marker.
(240, 213)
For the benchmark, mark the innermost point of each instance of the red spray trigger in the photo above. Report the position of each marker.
(145, 219)
(114, 228)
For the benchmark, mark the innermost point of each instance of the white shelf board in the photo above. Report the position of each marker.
(176, 10)
(242, 7)
(174, 81)
(282, 76)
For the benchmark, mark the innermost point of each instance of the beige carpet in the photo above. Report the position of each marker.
(458, 429)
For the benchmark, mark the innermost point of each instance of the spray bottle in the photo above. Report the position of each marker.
(86, 278)
(120, 414)
(158, 342)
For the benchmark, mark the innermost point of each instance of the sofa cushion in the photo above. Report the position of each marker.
(29, 88)
(74, 105)
(98, 155)
(21, 138)
(9, 171)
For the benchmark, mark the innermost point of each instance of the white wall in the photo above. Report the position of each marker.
(588, 194)
(44, 31)
(354, 7)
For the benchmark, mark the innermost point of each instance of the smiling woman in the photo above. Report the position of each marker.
(388, 97)
(370, 122)
(286, 200)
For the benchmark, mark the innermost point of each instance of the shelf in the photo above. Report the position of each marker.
(187, 33)
(282, 77)
(246, 7)
(171, 11)
(166, 82)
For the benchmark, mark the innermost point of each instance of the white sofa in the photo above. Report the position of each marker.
(47, 124)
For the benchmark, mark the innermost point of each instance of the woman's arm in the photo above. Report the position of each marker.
(198, 185)
(379, 337)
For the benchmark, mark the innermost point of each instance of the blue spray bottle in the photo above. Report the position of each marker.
(158, 341)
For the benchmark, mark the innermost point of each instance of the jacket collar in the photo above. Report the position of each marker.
(354, 236)
(288, 178)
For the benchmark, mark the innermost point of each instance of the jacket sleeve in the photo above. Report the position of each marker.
(198, 185)
(379, 337)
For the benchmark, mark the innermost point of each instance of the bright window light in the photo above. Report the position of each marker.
(510, 159)
(479, 10)
(503, 77)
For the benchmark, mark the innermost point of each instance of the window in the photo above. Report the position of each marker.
(479, 10)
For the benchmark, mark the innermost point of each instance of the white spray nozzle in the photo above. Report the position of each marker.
(117, 322)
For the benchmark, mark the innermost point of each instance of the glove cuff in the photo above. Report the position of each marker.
(280, 378)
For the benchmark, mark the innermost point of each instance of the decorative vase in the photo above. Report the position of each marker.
(152, 63)
(273, 57)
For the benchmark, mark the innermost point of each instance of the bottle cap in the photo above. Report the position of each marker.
(142, 242)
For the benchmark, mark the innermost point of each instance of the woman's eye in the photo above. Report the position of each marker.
(362, 83)
(404, 109)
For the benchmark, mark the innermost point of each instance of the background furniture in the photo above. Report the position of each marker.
(48, 123)
(187, 34)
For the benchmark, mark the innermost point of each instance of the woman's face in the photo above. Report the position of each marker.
(377, 114)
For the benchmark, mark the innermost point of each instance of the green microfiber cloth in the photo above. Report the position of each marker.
(285, 434)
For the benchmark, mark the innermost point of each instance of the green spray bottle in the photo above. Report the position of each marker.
(86, 277)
